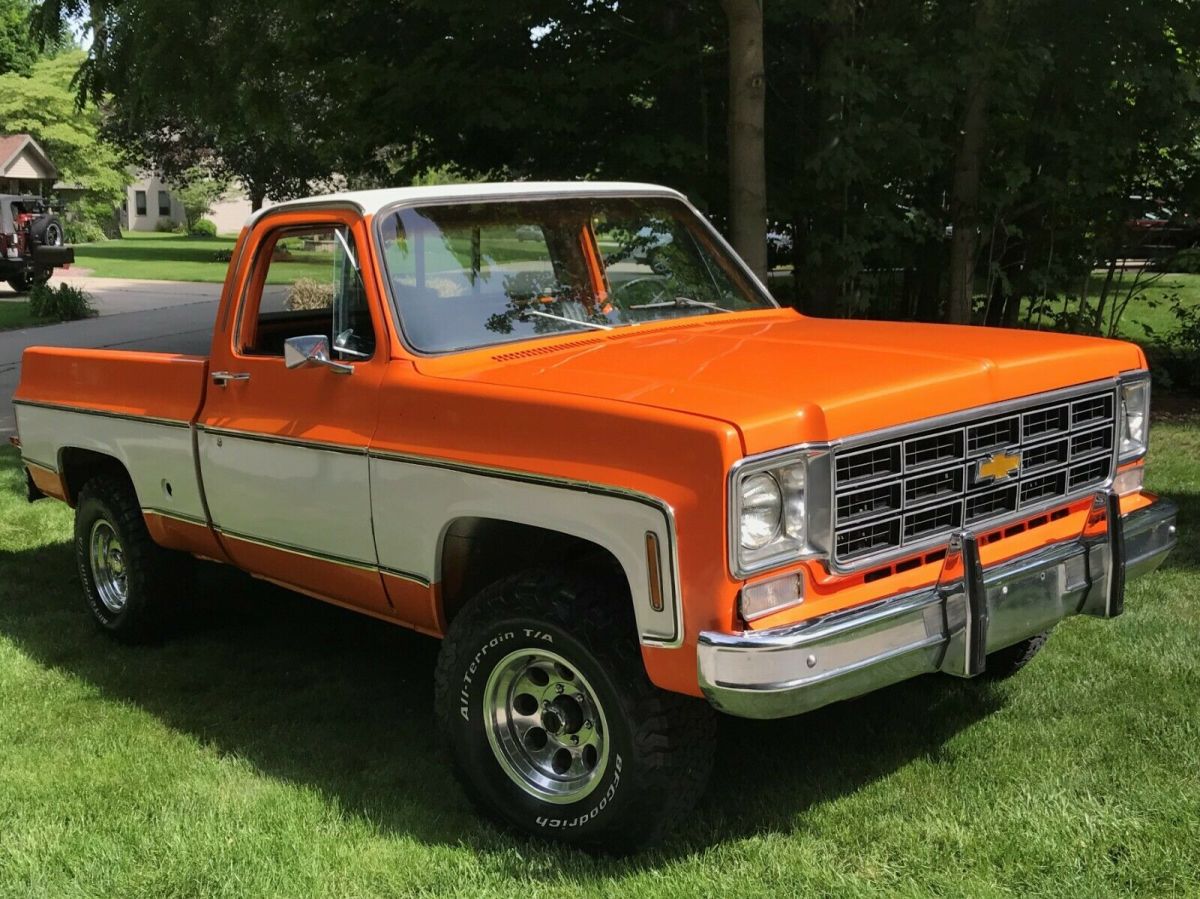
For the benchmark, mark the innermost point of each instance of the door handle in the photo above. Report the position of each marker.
(222, 378)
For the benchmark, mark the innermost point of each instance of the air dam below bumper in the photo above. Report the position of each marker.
(947, 627)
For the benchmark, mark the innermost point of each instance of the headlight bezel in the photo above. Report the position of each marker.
(808, 501)
(1133, 388)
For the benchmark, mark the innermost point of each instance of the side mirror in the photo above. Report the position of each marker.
(311, 350)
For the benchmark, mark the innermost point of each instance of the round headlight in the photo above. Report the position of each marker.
(762, 509)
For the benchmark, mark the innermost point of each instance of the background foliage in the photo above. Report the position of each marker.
(42, 103)
(952, 158)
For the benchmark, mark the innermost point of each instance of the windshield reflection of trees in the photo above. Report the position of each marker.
(647, 257)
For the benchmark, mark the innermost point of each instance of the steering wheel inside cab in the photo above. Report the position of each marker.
(638, 291)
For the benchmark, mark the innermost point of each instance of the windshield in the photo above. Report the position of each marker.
(470, 275)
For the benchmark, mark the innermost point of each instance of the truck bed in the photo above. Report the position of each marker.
(136, 407)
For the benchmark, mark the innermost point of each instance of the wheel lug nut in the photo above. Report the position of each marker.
(558, 688)
(588, 725)
(575, 739)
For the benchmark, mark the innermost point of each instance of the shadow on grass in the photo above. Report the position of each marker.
(318, 696)
(1186, 554)
(314, 695)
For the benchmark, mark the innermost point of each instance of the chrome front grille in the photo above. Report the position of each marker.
(905, 493)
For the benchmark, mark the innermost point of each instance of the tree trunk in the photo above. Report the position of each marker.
(747, 156)
(256, 199)
(964, 193)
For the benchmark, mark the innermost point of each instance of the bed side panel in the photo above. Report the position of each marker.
(135, 407)
(146, 385)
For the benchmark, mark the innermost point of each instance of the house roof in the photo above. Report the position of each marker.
(13, 145)
(369, 202)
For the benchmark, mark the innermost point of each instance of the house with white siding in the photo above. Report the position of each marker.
(149, 200)
(24, 166)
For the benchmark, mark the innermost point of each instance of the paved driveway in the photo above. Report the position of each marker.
(166, 316)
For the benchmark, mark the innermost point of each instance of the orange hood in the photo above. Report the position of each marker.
(782, 378)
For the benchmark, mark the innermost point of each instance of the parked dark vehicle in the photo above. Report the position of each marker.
(31, 241)
(1155, 231)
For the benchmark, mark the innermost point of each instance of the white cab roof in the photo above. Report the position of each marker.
(370, 202)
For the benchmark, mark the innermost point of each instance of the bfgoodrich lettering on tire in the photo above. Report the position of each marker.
(553, 725)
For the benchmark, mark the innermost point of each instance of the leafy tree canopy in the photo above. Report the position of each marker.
(43, 104)
(18, 47)
(1078, 104)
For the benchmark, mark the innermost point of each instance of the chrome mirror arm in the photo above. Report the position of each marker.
(312, 350)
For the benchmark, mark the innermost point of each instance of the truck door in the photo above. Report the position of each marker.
(282, 449)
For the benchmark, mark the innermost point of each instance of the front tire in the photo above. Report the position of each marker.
(554, 727)
(123, 571)
(1004, 663)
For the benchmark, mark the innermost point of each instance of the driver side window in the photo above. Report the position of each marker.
(312, 285)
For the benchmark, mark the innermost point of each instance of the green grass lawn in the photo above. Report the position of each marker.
(156, 257)
(173, 257)
(1150, 307)
(152, 256)
(15, 314)
(279, 747)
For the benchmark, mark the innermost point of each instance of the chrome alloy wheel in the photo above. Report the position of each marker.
(107, 560)
(545, 726)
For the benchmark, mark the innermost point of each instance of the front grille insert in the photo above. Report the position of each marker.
(859, 541)
(1044, 422)
(1089, 442)
(992, 435)
(1092, 409)
(903, 493)
(932, 520)
(868, 502)
(1089, 473)
(1043, 486)
(864, 466)
(932, 449)
(990, 503)
(1045, 455)
(935, 485)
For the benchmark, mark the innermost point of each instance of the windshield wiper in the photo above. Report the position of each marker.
(570, 321)
(680, 303)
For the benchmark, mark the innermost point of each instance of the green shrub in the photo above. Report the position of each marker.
(165, 226)
(223, 256)
(83, 231)
(1186, 262)
(64, 303)
(203, 228)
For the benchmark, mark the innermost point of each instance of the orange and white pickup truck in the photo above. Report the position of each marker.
(563, 427)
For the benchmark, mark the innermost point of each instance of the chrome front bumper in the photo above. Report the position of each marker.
(949, 627)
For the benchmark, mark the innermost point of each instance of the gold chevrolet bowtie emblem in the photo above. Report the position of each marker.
(997, 467)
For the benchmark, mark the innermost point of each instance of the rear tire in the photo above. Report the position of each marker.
(123, 571)
(553, 725)
(26, 281)
(1004, 663)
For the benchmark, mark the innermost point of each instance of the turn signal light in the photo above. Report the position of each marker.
(1130, 480)
(770, 596)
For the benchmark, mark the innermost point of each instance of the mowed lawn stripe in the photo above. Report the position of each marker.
(279, 747)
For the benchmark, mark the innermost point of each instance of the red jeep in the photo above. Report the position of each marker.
(31, 241)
